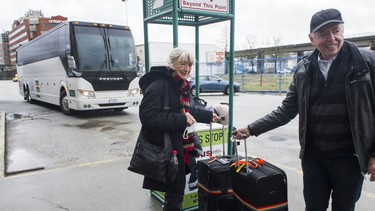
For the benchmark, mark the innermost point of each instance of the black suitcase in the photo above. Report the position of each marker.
(259, 185)
(214, 182)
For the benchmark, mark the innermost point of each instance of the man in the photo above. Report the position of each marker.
(333, 93)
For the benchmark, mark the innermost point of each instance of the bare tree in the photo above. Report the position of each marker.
(223, 41)
(251, 53)
(225, 35)
(275, 54)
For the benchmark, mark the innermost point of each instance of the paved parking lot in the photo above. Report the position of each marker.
(89, 173)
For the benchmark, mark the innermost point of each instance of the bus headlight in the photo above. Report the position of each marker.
(86, 93)
(133, 92)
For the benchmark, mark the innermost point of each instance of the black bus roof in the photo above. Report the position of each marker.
(102, 25)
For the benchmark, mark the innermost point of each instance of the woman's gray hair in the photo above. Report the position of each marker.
(177, 55)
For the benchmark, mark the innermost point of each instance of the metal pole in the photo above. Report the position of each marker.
(280, 75)
(197, 58)
(243, 75)
(145, 31)
(126, 11)
(232, 27)
(147, 52)
(175, 24)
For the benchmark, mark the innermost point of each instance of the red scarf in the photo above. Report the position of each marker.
(184, 87)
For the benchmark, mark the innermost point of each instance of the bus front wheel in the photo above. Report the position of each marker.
(28, 96)
(64, 104)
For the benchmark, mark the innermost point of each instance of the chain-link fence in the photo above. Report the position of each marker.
(254, 75)
(267, 75)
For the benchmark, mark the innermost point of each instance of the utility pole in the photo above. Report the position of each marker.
(126, 11)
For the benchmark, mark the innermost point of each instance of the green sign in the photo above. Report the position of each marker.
(190, 201)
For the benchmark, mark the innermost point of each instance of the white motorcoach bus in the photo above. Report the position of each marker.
(80, 66)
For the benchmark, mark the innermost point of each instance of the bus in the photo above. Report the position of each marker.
(80, 66)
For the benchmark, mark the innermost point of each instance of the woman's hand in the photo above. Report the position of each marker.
(190, 119)
(215, 117)
(371, 169)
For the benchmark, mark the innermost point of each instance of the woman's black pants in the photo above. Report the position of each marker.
(172, 202)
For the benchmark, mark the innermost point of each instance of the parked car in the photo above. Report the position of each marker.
(246, 68)
(212, 83)
(284, 71)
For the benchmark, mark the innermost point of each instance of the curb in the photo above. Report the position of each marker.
(2, 144)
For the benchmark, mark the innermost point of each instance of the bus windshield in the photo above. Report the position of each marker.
(101, 49)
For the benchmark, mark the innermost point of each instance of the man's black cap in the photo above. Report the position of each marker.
(323, 18)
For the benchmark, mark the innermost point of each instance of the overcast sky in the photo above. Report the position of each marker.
(262, 20)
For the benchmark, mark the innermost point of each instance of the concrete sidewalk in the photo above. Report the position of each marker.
(102, 185)
(105, 185)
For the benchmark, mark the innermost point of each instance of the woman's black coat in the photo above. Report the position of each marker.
(154, 121)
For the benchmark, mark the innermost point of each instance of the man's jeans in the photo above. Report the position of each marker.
(340, 177)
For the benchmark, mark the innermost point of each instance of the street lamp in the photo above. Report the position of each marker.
(126, 10)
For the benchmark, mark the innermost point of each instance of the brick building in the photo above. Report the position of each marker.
(29, 27)
(4, 49)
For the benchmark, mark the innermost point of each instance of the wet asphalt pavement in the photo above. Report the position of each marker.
(62, 173)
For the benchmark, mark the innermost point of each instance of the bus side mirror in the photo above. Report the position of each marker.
(72, 67)
(71, 63)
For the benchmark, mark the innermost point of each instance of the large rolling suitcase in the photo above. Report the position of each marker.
(258, 185)
(214, 182)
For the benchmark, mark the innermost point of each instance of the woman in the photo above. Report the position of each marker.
(155, 121)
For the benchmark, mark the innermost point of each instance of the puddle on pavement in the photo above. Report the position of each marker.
(96, 124)
(105, 129)
(21, 160)
(18, 116)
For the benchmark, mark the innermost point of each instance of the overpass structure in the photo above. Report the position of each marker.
(299, 49)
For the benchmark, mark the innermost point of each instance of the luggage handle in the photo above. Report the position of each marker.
(257, 162)
(222, 118)
(210, 138)
(246, 158)
(223, 161)
(234, 142)
(247, 163)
